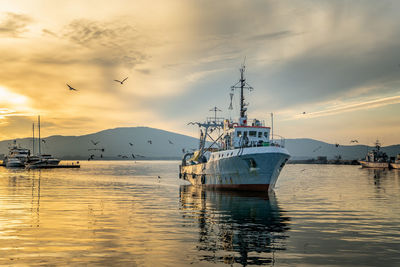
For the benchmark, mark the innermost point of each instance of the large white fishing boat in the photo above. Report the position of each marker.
(235, 155)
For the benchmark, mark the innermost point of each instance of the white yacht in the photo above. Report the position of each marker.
(17, 156)
(235, 155)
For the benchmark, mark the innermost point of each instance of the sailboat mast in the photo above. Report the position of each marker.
(33, 138)
(39, 134)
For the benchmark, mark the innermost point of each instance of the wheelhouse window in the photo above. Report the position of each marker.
(266, 134)
(253, 133)
(239, 133)
(259, 134)
(245, 133)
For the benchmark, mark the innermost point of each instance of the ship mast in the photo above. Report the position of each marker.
(33, 139)
(39, 134)
(242, 85)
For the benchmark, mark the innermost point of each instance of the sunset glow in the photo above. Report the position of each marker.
(181, 57)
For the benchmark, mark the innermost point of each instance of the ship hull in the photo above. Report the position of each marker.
(248, 169)
(14, 163)
(369, 164)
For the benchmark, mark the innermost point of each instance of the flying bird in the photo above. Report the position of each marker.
(71, 88)
(130, 144)
(317, 149)
(337, 145)
(354, 141)
(159, 178)
(121, 82)
(44, 141)
(150, 142)
(94, 143)
(170, 142)
(124, 157)
(304, 112)
(133, 156)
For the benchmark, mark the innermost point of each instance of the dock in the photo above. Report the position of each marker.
(61, 166)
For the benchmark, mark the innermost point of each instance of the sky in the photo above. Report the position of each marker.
(328, 70)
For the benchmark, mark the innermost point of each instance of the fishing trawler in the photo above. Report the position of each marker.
(375, 158)
(244, 156)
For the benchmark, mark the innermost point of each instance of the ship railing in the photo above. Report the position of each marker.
(255, 122)
(216, 120)
(277, 140)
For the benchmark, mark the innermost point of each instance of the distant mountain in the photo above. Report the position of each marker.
(148, 142)
(309, 148)
(169, 145)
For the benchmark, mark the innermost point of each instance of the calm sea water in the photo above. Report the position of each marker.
(120, 213)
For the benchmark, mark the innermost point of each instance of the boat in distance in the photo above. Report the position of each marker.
(396, 163)
(17, 156)
(238, 155)
(375, 158)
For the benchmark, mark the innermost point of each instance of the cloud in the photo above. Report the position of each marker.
(12, 24)
(352, 106)
(111, 43)
(271, 36)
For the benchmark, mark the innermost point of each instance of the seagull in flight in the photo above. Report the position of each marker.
(94, 143)
(354, 141)
(170, 142)
(150, 142)
(130, 144)
(121, 82)
(71, 88)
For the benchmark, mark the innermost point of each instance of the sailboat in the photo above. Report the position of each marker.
(39, 160)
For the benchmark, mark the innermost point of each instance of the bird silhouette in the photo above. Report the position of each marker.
(124, 157)
(317, 149)
(130, 144)
(159, 178)
(43, 141)
(337, 145)
(133, 156)
(121, 82)
(94, 143)
(150, 142)
(304, 112)
(71, 88)
(170, 142)
(354, 141)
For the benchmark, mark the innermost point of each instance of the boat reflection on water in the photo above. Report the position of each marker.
(235, 227)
